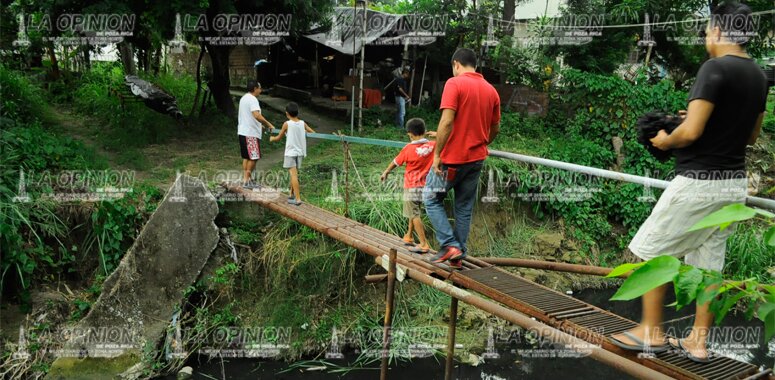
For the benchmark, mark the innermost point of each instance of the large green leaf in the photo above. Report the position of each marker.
(710, 288)
(769, 326)
(726, 216)
(769, 237)
(722, 309)
(687, 284)
(765, 309)
(624, 268)
(653, 273)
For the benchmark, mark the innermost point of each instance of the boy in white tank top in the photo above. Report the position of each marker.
(295, 147)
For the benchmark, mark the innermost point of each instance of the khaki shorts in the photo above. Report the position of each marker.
(412, 201)
(684, 203)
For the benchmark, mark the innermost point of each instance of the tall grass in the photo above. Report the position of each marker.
(129, 124)
(748, 255)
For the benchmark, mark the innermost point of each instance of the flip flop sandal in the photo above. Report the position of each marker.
(639, 346)
(419, 250)
(688, 354)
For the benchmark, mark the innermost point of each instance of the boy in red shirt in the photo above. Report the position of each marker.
(418, 157)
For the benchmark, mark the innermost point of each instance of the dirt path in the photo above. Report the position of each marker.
(319, 122)
(206, 148)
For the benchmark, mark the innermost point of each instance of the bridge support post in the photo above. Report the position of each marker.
(346, 149)
(451, 339)
(386, 335)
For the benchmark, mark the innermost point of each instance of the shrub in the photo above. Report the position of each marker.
(600, 107)
(20, 99)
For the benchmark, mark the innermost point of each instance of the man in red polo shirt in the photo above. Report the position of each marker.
(470, 115)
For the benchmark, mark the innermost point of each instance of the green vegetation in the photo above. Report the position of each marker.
(54, 120)
(40, 234)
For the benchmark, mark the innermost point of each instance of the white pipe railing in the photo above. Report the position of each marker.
(603, 173)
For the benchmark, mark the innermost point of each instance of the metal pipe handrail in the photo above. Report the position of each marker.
(603, 173)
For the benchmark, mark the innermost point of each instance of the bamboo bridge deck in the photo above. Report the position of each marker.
(556, 310)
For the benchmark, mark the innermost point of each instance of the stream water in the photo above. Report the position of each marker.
(512, 363)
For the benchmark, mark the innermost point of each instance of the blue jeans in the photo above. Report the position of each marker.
(464, 180)
(401, 112)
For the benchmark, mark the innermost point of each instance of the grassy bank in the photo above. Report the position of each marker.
(289, 275)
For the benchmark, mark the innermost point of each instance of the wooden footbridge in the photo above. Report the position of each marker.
(556, 317)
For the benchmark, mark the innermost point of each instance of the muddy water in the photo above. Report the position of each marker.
(512, 363)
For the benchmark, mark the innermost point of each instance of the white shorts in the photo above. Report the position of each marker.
(684, 203)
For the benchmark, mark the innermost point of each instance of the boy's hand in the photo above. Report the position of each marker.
(273, 139)
(430, 133)
(384, 176)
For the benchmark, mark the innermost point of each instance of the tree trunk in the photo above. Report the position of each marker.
(508, 16)
(142, 59)
(54, 63)
(127, 55)
(86, 58)
(156, 63)
(198, 79)
(219, 83)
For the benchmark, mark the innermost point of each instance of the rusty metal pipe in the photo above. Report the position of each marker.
(391, 283)
(550, 333)
(760, 375)
(375, 278)
(548, 265)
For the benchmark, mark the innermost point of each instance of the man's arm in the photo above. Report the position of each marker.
(494, 130)
(281, 134)
(690, 130)
(756, 130)
(442, 135)
(261, 119)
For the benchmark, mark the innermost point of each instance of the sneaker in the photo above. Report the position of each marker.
(294, 202)
(455, 264)
(449, 253)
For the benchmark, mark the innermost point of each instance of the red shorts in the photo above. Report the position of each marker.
(250, 147)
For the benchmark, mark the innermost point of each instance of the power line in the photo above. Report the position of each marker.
(771, 11)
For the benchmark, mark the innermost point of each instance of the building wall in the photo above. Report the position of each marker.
(241, 62)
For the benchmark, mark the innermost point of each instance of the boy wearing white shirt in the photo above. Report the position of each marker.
(295, 147)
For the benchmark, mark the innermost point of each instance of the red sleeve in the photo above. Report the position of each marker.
(496, 112)
(401, 158)
(449, 98)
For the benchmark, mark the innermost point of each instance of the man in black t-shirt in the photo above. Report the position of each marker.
(402, 97)
(726, 108)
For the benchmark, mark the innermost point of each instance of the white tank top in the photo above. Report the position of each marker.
(296, 139)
